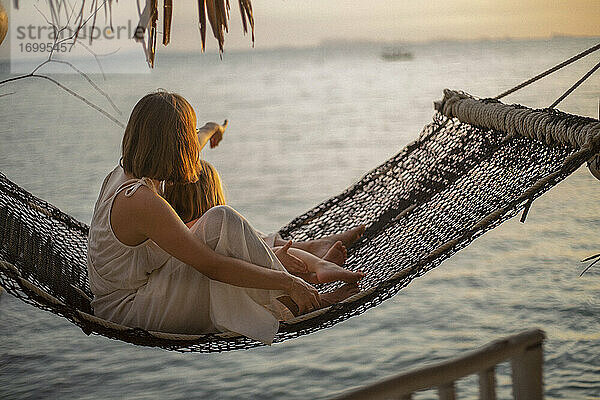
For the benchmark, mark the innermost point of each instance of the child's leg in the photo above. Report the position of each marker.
(320, 247)
(322, 270)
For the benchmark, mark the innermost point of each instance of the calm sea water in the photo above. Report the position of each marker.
(305, 124)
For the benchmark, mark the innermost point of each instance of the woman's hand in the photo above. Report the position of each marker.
(292, 263)
(304, 295)
(213, 132)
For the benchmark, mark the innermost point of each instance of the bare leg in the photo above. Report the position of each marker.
(319, 247)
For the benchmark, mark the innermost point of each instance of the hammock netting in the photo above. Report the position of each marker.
(477, 164)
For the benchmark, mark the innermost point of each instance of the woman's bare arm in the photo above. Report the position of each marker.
(147, 215)
(213, 132)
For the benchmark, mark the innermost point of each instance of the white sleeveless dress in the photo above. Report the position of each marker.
(143, 286)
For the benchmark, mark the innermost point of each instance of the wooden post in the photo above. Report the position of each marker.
(527, 374)
(487, 384)
(447, 392)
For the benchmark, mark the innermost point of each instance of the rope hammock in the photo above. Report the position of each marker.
(477, 164)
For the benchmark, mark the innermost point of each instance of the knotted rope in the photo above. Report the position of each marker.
(548, 126)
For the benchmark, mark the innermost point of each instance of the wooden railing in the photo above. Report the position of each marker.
(524, 351)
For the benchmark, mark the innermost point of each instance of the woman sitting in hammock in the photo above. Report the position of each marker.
(147, 269)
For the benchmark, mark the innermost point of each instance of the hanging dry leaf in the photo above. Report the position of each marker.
(217, 12)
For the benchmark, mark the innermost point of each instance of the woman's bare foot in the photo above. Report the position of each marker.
(326, 271)
(340, 294)
(336, 254)
(320, 247)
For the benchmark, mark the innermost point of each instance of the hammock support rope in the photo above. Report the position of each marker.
(477, 164)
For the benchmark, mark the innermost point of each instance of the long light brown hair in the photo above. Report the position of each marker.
(191, 200)
(160, 140)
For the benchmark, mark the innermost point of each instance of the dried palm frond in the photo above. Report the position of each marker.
(167, 15)
(217, 12)
(246, 13)
(151, 48)
(218, 16)
(202, 22)
(147, 23)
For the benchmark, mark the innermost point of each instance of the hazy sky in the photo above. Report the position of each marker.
(308, 22)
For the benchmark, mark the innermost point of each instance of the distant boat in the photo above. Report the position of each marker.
(395, 54)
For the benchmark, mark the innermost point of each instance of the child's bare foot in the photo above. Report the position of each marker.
(320, 247)
(329, 272)
(337, 254)
(342, 293)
